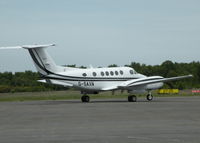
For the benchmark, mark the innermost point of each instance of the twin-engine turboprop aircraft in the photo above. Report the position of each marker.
(93, 80)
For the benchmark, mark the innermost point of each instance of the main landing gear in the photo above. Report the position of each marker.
(85, 98)
(132, 98)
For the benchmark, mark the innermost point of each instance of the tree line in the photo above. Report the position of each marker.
(27, 81)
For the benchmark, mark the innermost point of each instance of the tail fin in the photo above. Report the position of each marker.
(42, 60)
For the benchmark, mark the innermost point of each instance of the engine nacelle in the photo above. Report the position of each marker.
(154, 86)
(138, 89)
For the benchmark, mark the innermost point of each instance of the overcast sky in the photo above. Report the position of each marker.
(100, 32)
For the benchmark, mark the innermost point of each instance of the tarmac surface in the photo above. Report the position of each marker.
(164, 120)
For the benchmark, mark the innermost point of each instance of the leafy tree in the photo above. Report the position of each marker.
(113, 65)
(27, 81)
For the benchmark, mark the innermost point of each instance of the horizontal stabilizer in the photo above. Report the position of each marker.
(51, 81)
(28, 46)
(37, 46)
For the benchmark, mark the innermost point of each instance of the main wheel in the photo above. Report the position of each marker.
(149, 97)
(85, 98)
(132, 98)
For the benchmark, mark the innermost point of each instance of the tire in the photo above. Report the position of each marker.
(132, 98)
(129, 98)
(85, 98)
(149, 97)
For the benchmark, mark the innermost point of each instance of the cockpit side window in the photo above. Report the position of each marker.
(131, 72)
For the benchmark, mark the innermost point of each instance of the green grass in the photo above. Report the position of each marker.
(54, 95)
(67, 95)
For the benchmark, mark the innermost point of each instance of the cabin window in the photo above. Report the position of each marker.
(84, 74)
(107, 73)
(121, 72)
(131, 72)
(102, 73)
(94, 74)
(112, 73)
(116, 73)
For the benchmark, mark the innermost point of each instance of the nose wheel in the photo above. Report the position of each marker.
(85, 98)
(149, 97)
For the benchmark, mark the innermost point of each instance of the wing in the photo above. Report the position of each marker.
(144, 81)
(150, 80)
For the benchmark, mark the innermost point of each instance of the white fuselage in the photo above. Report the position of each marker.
(96, 79)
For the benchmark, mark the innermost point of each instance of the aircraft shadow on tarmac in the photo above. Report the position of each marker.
(57, 102)
(99, 101)
(53, 102)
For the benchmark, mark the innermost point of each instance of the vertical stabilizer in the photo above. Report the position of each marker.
(42, 60)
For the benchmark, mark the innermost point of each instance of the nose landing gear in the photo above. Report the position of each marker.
(149, 97)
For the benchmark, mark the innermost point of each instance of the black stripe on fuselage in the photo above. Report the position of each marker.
(92, 78)
(144, 80)
(60, 78)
